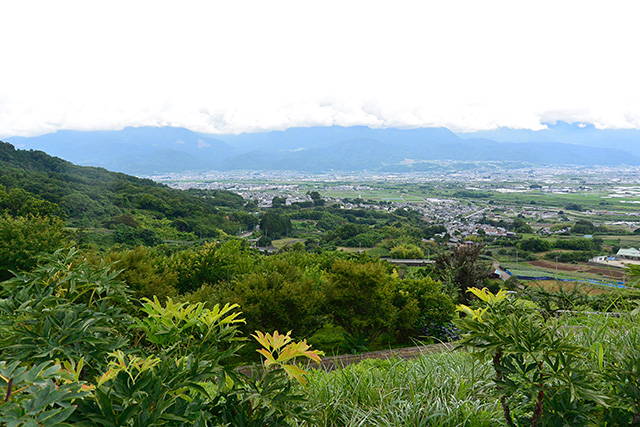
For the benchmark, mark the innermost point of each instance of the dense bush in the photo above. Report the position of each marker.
(433, 309)
(65, 338)
(284, 292)
(359, 298)
(574, 256)
(275, 225)
(23, 239)
(407, 251)
(535, 245)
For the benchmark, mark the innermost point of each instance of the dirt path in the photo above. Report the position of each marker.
(338, 362)
(331, 363)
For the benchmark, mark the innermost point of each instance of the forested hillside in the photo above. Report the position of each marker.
(95, 197)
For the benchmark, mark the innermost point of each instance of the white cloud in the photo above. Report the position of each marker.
(253, 65)
(203, 144)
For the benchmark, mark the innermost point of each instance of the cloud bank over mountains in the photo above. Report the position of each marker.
(232, 67)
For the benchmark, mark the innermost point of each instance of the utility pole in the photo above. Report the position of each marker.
(556, 268)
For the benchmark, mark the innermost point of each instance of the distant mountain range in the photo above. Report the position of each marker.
(572, 133)
(137, 151)
(153, 150)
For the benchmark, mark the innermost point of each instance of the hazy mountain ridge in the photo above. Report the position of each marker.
(573, 133)
(141, 150)
(152, 150)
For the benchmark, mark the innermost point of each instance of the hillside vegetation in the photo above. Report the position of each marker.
(149, 331)
(95, 197)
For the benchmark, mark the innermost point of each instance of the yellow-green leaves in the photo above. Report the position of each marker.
(176, 323)
(485, 295)
(278, 349)
(132, 365)
(474, 314)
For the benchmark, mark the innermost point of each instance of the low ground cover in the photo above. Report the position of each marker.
(443, 389)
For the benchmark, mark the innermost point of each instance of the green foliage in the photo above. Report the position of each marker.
(164, 228)
(218, 197)
(520, 226)
(367, 239)
(124, 219)
(18, 202)
(181, 329)
(275, 225)
(433, 390)
(90, 196)
(461, 269)
(143, 271)
(279, 351)
(36, 396)
(24, 239)
(583, 227)
(174, 366)
(360, 298)
(316, 197)
(422, 307)
(574, 256)
(211, 264)
(135, 236)
(535, 245)
(542, 376)
(64, 309)
(79, 205)
(151, 391)
(269, 398)
(284, 292)
(622, 373)
(562, 298)
(579, 244)
(278, 202)
(406, 251)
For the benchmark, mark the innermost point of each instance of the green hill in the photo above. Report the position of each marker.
(96, 197)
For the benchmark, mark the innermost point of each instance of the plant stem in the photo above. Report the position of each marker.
(503, 399)
(9, 386)
(539, 408)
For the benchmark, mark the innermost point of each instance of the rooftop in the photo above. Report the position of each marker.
(632, 252)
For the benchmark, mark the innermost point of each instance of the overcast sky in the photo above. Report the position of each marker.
(237, 66)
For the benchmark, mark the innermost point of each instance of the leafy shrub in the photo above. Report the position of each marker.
(360, 298)
(283, 293)
(542, 376)
(36, 396)
(432, 312)
(64, 309)
(535, 245)
(24, 239)
(406, 251)
(175, 366)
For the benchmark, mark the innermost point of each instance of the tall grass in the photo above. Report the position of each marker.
(444, 389)
(618, 338)
(451, 388)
